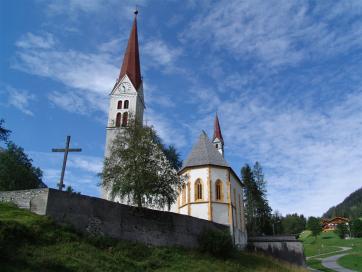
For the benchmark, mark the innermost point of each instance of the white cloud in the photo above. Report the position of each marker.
(166, 128)
(30, 40)
(312, 156)
(160, 53)
(276, 32)
(20, 99)
(89, 75)
(89, 164)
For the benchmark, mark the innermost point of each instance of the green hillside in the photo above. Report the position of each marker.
(327, 244)
(350, 207)
(29, 242)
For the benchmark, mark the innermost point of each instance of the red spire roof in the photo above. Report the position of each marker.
(217, 130)
(131, 61)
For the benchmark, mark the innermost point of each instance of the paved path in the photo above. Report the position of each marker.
(331, 263)
(337, 251)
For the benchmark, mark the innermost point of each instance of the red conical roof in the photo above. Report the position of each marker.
(217, 130)
(131, 61)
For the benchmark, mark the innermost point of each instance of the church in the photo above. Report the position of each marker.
(212, 190)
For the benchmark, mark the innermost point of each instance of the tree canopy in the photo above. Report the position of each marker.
(17, 171)
(293, 223)
(138, 170)
(314, 225)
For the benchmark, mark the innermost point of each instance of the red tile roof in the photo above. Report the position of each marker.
(131, 61)
(217, 130)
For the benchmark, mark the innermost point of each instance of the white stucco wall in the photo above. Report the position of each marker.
(220, 213)
(238, 212)
(200, 210)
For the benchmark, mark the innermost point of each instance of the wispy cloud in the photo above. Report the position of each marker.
(30, 40)
(160, 54)
(309, 154)
(20, 99)
(276, 33)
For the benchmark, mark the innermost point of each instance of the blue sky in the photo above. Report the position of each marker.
(284, 77)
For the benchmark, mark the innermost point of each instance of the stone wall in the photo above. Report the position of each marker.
(33, 200)
(102, 217)
(286, 248)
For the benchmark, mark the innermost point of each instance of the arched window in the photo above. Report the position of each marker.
(183, 194)
(118, 120)
(198, 189)
(125, 118)
(126, 104)
(218, 190)
(119, 105)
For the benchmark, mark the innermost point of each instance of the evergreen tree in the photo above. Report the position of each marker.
(249, 192)
(351, 207)
(276, 222)
(138, 170)
(258, 211)
(4, 133)
(263, 208)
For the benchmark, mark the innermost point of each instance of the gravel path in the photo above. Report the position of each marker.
(331, 263)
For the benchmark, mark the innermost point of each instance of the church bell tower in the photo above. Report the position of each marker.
(217, 140)
(126, 97)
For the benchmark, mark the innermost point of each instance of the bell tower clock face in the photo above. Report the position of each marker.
(125, 87)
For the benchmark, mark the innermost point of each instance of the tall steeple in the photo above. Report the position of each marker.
(131, 61)
(126, 97)
(217, 140)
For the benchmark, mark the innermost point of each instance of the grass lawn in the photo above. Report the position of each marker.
(317, 264)
(29, 242)
(352, 261)
(329, 242)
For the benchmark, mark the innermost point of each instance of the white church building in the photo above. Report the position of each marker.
(212, 190)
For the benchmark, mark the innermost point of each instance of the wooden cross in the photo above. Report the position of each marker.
(65, 150)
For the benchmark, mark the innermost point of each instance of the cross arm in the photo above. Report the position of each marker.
(69, 150)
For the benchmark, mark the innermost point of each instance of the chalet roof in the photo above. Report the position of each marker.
(204, 153)
(217, 129)
(131, 61)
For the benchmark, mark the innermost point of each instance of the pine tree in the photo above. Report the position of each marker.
(249, 193)
(263, 208)
(258, 211)
(4, 133)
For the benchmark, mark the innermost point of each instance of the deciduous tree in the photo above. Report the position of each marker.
(17, 171)
(137, 169)
(314, 225)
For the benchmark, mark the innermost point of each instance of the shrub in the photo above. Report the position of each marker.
(216, 242)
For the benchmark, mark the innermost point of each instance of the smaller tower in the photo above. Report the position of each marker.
(217, 140)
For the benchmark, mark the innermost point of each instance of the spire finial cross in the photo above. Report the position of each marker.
(136, 10)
